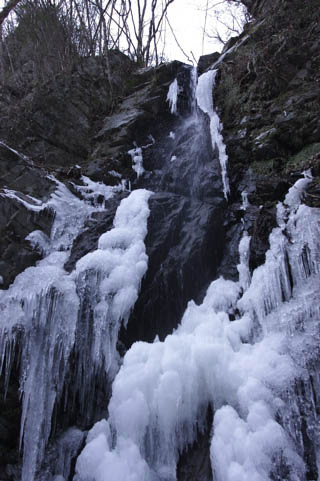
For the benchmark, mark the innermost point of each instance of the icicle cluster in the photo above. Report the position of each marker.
(42, 312)
(243, 368)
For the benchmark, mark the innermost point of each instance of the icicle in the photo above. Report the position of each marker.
(204, 99)
(172, 96)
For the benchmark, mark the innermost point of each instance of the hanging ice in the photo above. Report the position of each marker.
(108, 282)
(245, 201)
(242, 368)
(137, 160)
(204, 99)
(42, 309)
(172, 96)
(136, 156)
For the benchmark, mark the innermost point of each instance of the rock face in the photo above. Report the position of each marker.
(19, 174)
(267, 96)
(268, 99)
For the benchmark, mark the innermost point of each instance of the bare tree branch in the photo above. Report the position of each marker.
(7, 9)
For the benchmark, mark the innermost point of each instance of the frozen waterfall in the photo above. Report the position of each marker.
(247, 351)
(44, 309)
(243, 368)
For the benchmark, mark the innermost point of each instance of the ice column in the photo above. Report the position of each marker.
(172, 96)
(204, 99)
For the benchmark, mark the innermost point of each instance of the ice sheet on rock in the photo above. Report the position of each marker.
(40, 312)
(31, 203)
(114, 272)
(295, 194)
(242, 368)
(172, 96)
(204, 97)
(96, 192)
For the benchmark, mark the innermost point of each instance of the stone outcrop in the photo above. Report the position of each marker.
(268, 100)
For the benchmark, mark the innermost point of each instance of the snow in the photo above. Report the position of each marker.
(204, 98)
(172, 96)
(243, 368)
(45, 304)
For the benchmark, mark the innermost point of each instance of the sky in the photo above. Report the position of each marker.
(187, 18)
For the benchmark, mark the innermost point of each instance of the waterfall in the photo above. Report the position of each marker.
(240, 352)
(247, 351)
(243, 368)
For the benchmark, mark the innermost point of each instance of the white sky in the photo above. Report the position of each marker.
(187, 20)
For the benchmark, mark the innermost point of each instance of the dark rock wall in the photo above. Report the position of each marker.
(268, 98)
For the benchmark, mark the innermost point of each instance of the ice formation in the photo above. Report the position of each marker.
(244, 368)
(43, 309)
(172, 96)
(245, 201)
(205, 102)
(137, 160)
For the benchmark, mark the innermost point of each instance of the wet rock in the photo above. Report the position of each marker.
(55, 132)
(184, 244)
(205, 61)
(87, 240)
(194, 463)
(18, 173)
(259, 244)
